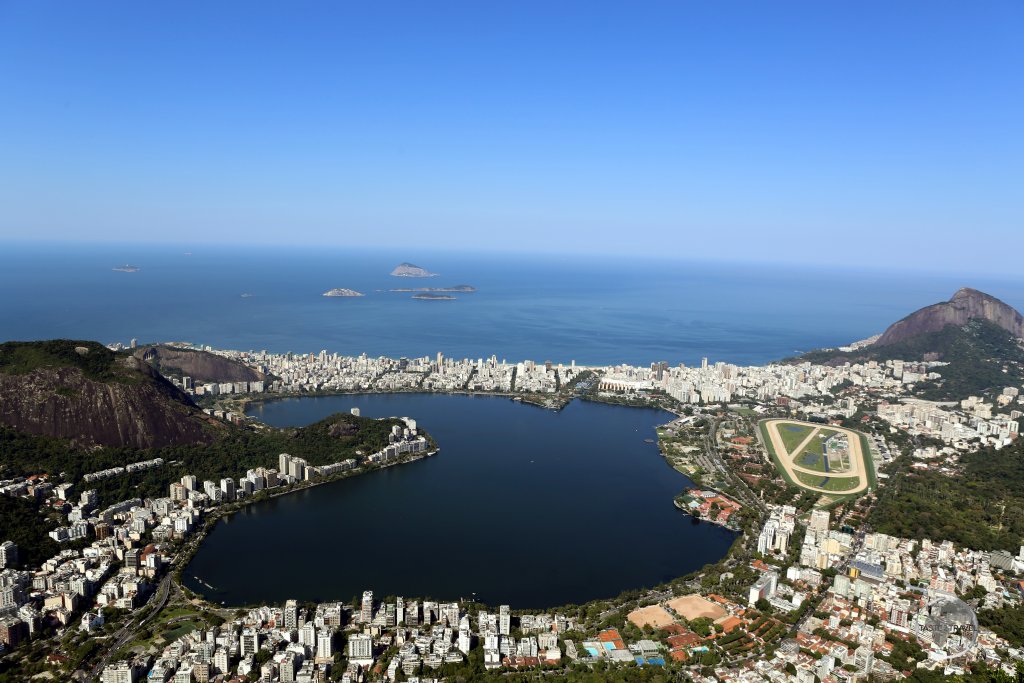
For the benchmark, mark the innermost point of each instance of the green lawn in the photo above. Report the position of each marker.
(811, 460)
(179, 630)
(793, 434)
(168, 613)
(813, 456)
(838, 484)
(745, 412)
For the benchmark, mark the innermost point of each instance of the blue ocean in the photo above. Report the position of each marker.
(594, 310)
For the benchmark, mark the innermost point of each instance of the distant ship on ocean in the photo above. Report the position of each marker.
(127, 269)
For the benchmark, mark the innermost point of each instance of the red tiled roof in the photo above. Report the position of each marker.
(689, 639)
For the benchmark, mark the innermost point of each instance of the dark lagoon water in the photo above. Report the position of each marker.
(522, 505)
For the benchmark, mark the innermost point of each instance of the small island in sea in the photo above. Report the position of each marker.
(410, 270)
(430, 296)
(126, 269)
(340, 291)
(464, 289)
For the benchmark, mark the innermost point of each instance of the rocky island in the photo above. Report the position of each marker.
(410, 270)
(340, 291)
(430, 296)
(463, 289)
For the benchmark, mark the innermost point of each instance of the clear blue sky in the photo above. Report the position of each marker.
(893, 131)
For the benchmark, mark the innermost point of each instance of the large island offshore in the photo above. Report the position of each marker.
(811, 461)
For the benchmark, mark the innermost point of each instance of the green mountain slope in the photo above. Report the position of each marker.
(982, 358)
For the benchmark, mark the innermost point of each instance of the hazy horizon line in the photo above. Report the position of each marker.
(513, 250)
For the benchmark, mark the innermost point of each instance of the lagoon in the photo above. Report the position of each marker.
(522, 505)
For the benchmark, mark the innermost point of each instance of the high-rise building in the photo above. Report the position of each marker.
(291, 615)
(8, 554)
(819, 520)
(120, 672)
(366, 608)
(412, 613)
(250, 642)
(287, 667)
(178, 491)
(222, 660)
(325, 644)
(360, 648)
(504, 620)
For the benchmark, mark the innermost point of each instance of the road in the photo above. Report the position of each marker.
(712, 461)
(127, 633)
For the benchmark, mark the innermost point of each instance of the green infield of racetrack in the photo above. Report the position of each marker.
(791, 438)
(766, 440)
(865, 449)
(834, 484)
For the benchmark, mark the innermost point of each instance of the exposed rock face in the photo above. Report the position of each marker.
(342, 428)
(411, 270)
(966, 305)
(140, 410)
(201, 366)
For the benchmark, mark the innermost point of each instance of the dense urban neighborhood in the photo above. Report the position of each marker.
(815, 587)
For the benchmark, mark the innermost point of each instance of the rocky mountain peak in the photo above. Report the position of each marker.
(965, 305)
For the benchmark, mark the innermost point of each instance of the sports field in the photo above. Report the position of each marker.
(817, 458)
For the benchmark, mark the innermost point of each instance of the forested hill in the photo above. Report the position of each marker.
(981, 508)
(982, 357)
(333, 439)
(84, 392)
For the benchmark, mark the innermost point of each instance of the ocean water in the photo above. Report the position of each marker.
(584, 308)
